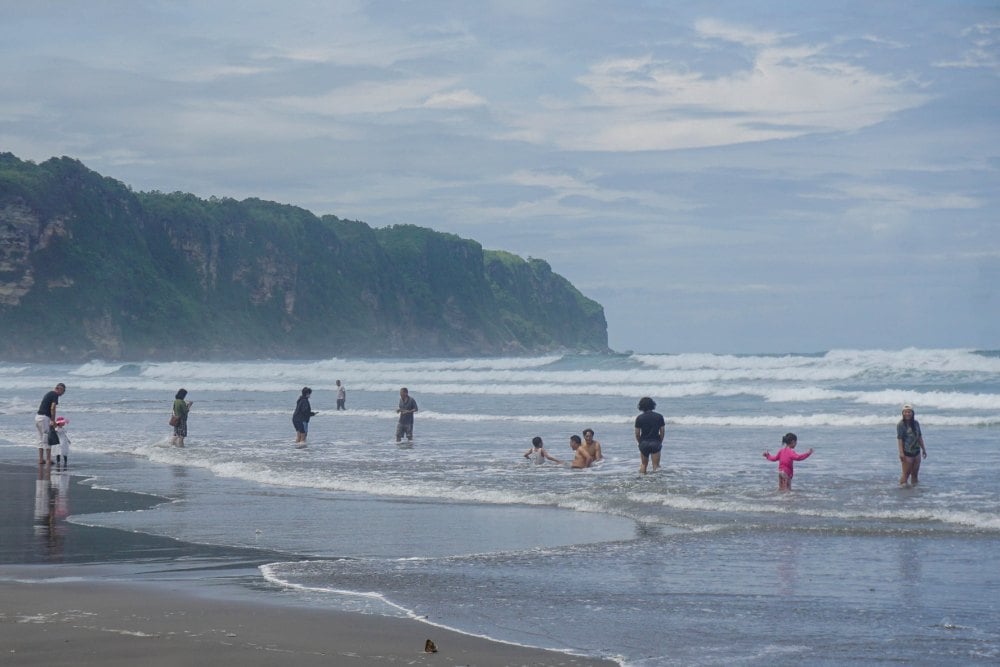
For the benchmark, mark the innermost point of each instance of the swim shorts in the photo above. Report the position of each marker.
(649, 447)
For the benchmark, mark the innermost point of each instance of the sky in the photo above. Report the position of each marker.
(726, 177)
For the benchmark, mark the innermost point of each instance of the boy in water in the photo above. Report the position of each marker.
(786, 457)
(537, 452)
(583, 459)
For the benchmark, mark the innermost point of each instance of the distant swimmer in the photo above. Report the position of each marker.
(786, 458)
(649, 431)
(537, 452)
(300, 418)
(910, 443)
(407, 406)
(341, 396)
(581, 458)
(593, 446)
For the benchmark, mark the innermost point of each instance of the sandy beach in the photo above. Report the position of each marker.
(73, 595)
(73, 623)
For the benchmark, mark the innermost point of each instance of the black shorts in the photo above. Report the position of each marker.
(650, 447)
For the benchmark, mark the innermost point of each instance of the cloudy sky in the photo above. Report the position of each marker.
(721, 176)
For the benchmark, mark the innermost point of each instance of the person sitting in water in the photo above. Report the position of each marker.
(593, 446)
(537, 452)
(582, 458)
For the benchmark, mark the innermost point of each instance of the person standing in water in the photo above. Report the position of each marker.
(786, 458)
(300, 418)
(44, 419)
(341, 396)
(180, 410)
(910, 443)
(64, 442)
(407, 406)
(649, 431)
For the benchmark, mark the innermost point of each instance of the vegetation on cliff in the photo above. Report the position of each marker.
(91, 269)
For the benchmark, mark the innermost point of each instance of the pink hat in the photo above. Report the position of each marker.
(61, 421)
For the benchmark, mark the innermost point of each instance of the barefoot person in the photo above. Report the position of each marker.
(786, 458)
(649, 431)
(44, 419)
(64, 442)
(910, 443)
(407, 406)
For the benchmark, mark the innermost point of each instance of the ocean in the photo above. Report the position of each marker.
(702, 563)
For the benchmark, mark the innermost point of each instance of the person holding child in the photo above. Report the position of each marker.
(786, 458)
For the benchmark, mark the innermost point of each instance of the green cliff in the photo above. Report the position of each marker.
(91, 269)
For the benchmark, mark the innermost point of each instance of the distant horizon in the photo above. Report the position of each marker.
(612, 353)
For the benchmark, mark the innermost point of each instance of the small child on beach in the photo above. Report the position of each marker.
(786, 457)
(63, 452)
(537, 452)
(583, 459)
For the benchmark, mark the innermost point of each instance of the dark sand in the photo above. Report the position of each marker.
(76, 595)
(134, 624)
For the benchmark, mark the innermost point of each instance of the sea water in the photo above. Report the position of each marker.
(704, 562)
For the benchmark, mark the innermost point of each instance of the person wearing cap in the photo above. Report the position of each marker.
(910, 442)
(63, 455)
(300, 418)
(44, 419)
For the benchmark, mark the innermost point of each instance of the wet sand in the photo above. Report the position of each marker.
(78, 595)
(84, 623)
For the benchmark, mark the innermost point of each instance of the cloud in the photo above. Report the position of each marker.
(378, 97)
(903, 197)
(454, 99)
(983, 52)
(786, 90)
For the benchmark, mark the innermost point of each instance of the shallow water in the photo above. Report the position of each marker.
(702, 563)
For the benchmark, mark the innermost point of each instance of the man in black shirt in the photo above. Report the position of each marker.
(45, 418)
(649, 431)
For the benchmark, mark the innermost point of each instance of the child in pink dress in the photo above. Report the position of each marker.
(786, 457)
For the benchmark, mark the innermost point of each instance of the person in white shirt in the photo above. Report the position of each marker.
(62, 454)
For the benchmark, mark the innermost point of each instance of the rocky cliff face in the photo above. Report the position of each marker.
(90, 269)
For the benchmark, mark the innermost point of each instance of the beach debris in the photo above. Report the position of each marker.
(430, 647)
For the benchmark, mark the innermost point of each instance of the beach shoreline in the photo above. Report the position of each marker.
(116, 623)
(139, 598)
